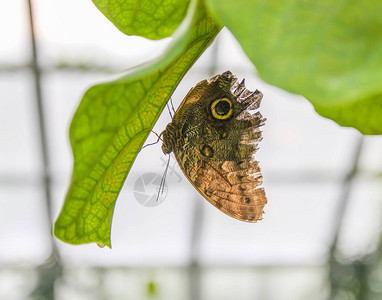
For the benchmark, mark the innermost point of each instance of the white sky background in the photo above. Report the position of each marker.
(297, 143)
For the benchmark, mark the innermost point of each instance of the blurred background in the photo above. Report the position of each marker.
(320, 236)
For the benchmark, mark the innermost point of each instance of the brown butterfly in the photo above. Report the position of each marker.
(214, 136)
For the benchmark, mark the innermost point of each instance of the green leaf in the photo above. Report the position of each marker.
(328, 51)
(363, 113)
(110, 126)
(153, 19)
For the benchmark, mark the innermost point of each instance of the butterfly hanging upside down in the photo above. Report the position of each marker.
(214, 136)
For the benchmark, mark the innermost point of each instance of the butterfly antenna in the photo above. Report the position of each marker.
(172, 105)
(169, 110)
(163, 180)
(156, 142)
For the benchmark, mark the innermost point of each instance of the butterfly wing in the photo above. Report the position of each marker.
(214, 138)
(231, 187)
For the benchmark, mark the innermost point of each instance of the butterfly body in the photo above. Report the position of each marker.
(214, 136)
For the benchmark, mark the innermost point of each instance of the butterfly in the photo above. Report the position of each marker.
(214, 135)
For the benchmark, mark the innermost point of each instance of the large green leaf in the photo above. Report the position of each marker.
(153, 19)
(112, 123)
(363, 113)
(329, 51)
